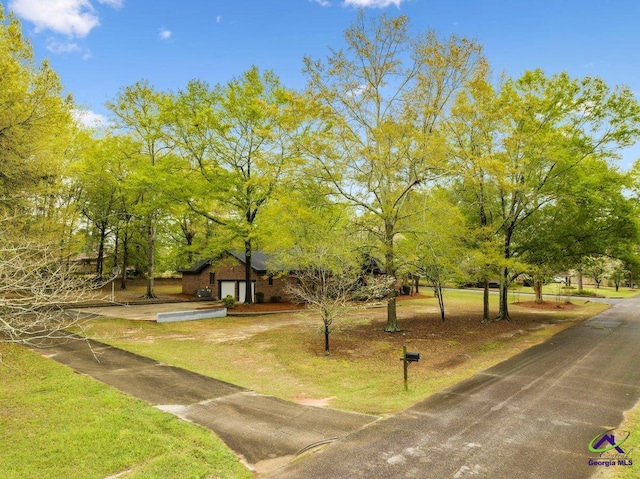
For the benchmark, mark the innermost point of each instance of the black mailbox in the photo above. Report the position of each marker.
(412, 357)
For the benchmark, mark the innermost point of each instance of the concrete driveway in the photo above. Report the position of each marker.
(266, 432)
(142, 312)
(532, 416)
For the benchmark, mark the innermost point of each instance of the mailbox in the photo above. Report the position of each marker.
(415, 357)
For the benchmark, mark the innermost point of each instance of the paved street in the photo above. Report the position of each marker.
(532, 416)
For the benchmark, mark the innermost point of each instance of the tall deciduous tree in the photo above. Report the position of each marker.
(592, 216)
(380, 103)
(552, 125)
(140, 112)
(98, 189)
(239, 138)
(35, 129)
(35, 123)
(473, 142)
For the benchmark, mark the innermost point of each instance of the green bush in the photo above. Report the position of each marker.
(228, 301)
(259, 297)
(275, 299)
(586, 293)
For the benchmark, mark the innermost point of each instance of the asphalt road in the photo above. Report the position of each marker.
(532, 416)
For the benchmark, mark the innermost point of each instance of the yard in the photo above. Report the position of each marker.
(82, 428)
(282, 354)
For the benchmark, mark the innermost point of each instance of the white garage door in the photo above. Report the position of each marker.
(242, 288)
(227, 288)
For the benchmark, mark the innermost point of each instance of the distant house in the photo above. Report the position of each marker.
(84, 263)
(225, 275)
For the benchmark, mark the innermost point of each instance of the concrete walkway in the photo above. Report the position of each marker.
(532, 416)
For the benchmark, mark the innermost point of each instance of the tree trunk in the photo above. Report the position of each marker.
(580, 286)
(485, 300)
(416, 283)
(392, 320)
(248, 297)
(503, 313)
(485, 281)
(150, 261)
(438, 291)
(326, 338)
(125, 260)
(100, 260)
(537, 288)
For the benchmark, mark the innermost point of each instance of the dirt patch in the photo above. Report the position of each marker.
(307, 401)
(445, 344)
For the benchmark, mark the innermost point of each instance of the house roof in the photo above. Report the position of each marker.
(259, 261)
(197, 267)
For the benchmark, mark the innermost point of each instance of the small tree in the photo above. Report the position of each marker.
(335, 289)
(618, 272)
(595, 267)
(434, 244)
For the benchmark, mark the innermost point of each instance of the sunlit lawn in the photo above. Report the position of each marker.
(57, 424)
(604, 291)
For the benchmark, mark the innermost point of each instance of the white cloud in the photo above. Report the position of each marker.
(372, 3)
(57, 47)
(323, 3)
(73, 18)
(90, 119)
(357, 91)
(218, 18)
(165, 34)
(112, 3)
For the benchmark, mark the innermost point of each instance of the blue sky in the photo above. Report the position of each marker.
(99, 46)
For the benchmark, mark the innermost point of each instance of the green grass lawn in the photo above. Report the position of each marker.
(363, 373)
(57, 424)
(603, 291)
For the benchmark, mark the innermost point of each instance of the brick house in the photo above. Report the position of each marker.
(226, 276)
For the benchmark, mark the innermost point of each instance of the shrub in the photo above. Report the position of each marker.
(406, 289)
(587, 293)
(275, 299)
(259, 297)
(228, 301)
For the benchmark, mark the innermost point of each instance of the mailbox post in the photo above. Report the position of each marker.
(406, 359)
